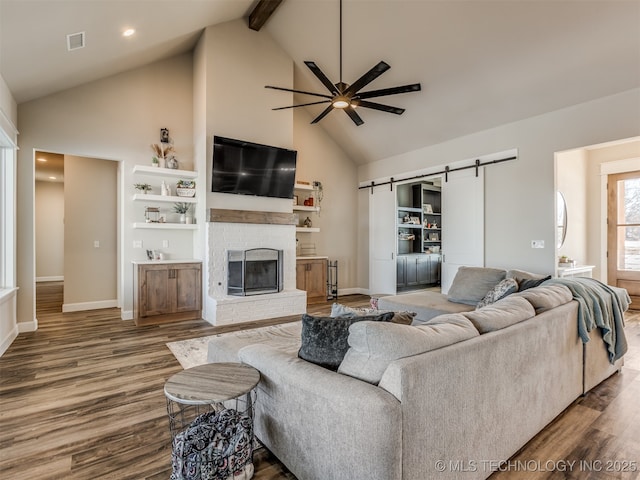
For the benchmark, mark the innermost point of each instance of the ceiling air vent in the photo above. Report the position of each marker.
(75, 41)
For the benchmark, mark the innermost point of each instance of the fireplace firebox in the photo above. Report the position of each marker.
(254, 272)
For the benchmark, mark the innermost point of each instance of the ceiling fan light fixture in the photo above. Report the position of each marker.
(340, 102)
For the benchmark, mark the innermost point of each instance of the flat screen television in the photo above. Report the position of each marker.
(247, 168)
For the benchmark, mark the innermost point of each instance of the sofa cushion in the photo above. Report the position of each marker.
(427, 305)
(501, 290)
(374, 345)
(519, 275)
(546, 297)
(339, 310)
(324, 339)
(503, 313)
(471, 284)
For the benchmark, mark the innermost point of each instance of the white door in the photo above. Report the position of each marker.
(462, 223)
(382, 240)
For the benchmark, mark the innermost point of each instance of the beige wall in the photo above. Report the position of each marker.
(49, 231)
(115, 118)
(90, 215)
(520, 200)
(319, 158)
(8, 107)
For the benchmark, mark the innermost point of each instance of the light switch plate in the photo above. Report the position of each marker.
(537, 243)
(137, 244)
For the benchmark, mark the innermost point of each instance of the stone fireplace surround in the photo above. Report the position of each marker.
(243, 230)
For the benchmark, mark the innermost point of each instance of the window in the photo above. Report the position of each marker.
(7, 211)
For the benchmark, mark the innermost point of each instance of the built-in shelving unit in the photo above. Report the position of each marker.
(165, 226)
(310, 191)
(167, 174)
(150, 197)
(418, 241)
(164, 172)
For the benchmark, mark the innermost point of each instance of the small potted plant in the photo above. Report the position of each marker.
(143, 187)
(182, 209)
(186, 188)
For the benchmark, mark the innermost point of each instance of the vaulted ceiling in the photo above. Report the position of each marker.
(481, 63)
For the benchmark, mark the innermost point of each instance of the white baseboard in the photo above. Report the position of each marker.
(59, 278)
(6, 343)
(126, 315)
(78, 307)
(28, 326)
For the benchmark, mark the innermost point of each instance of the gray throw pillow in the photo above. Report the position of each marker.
(471, 284)
(324, 339)
(527, 283)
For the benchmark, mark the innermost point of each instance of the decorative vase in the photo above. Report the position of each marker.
(189, 220)
(183, 218)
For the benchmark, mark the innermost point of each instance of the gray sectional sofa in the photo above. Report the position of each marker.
(450, 397)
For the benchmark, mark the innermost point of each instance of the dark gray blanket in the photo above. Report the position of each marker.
(599, 306)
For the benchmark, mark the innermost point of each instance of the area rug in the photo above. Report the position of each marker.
(193, 352)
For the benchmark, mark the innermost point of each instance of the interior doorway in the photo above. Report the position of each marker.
(77, 232)
(623, 233)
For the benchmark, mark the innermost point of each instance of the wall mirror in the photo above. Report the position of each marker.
(561, 218)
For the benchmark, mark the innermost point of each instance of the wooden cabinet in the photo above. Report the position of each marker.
(311, 276)
(167, 292)
(418, 270)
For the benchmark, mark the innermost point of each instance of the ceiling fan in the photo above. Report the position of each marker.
(347, 97)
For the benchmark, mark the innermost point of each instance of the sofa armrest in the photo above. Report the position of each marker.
(322, 424)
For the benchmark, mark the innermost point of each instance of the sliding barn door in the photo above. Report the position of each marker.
(462, 223)
(382, 241)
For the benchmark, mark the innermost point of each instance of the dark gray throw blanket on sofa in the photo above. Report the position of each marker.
(599, 306)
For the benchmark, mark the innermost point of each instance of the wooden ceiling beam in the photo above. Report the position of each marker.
(261, 13)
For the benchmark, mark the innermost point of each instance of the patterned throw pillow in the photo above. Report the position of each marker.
(324, 339)
(215, 445)
(501, 290)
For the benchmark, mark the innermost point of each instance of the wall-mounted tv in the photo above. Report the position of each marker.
(247, 168)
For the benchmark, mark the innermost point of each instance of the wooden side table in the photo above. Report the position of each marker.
(205, 387)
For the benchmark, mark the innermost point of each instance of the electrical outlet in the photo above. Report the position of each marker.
(137, 244)
(537, 243)
(165, 243)
(96, 244)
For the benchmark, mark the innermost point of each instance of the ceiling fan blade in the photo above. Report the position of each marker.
(415, 87)
(324, 113)
(381, 107)
(367, 78)
(354, 116)
(299, 91)
(322, 77)
(301, 105)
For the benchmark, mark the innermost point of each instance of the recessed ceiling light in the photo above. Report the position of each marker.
(128, 32)
(42, 160)
(52, 178)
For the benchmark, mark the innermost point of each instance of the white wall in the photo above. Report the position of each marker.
(520, 201)
(571, 181)
(49, 231)
(115, 118)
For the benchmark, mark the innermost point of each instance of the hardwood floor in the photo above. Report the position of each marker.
(82, 398)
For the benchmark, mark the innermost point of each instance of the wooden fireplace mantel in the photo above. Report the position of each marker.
(249, 216)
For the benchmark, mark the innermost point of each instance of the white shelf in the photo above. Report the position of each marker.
(149, 197)
(166, 226)
(303, 186)
(304, 208)
(307, 229)
(165, 172)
